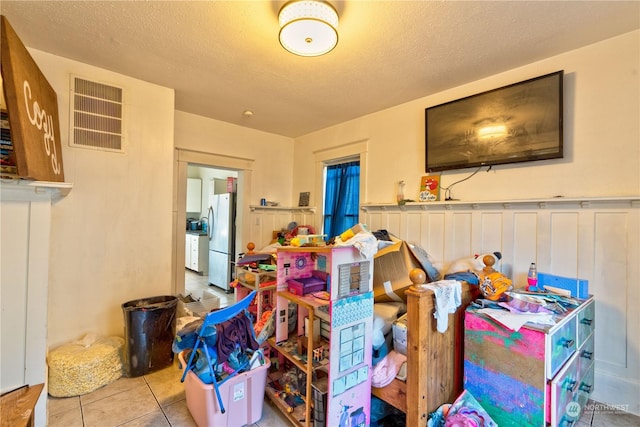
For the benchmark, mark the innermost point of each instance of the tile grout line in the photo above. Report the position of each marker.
(157, 401)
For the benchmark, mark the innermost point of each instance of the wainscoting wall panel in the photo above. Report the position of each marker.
(594, 239)
(265, 220)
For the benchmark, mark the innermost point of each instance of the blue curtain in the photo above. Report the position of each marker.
(342, 198)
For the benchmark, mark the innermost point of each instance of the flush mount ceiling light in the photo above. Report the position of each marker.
(308, 27)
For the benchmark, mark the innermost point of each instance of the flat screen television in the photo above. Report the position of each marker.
(520, 122)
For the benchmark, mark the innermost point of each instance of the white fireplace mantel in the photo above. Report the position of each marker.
(54, 190)
(25, 220)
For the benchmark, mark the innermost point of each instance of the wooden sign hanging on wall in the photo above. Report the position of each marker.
(33, 111)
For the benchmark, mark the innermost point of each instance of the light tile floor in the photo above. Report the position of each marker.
(195, 283)
(158, 399)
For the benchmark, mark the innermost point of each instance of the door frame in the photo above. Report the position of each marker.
(183, 158)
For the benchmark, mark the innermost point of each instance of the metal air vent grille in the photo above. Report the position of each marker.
(96, 115)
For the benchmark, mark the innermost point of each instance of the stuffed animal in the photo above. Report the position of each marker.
(473, 264)
(493, 283)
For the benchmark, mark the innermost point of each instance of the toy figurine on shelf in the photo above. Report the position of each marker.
(251, 248)
(493, 283)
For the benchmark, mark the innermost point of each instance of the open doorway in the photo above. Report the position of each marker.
(225, 167)
(210, 229)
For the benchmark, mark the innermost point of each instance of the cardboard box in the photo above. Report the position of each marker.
(399, 331)
(346, 235)
(391, 268)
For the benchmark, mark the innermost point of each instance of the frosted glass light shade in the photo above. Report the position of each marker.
(308, 27)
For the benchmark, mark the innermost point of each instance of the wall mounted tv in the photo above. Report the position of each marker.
(520, 122)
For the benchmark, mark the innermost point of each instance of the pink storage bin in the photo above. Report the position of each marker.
(242, 397)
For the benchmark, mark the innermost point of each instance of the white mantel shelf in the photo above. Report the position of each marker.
(55, 188)
(584, 202)
(300, 209)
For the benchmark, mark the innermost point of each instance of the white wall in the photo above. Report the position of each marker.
(111, 236)
(602, 159)
(270, 158)
(601, 135)
(271, 154)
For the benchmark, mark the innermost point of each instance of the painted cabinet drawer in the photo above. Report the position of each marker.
(561, 344)
(585, 357)
(574, 409)
(586, 322)
(586, 385)
(563, 390)
(571, 388)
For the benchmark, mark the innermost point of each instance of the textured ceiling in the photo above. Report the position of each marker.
(223, 57)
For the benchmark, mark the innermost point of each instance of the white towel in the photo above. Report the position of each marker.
(364, 242)
(448, 298)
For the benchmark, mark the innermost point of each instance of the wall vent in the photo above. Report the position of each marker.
(96, 115)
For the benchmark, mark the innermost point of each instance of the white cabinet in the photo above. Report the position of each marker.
(194, 195)
(196, 250)
(187, 251)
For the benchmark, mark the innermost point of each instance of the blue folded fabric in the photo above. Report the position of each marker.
(464, 276)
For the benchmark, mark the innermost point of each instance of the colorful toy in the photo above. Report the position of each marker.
(493, 283)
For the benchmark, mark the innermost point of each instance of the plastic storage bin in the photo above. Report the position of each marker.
(204, 304)
(150, 327)
(242, 397)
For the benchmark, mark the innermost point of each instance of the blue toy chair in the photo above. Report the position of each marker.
(238, 309)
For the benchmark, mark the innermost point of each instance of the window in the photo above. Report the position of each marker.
(341, 198)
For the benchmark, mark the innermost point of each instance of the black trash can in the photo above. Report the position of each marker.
(149, 331)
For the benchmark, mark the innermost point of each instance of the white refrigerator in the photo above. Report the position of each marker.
(221, 232)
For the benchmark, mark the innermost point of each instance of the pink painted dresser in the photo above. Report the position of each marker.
(537, 376)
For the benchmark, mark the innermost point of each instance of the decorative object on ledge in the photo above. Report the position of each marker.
(429, 188)
(301, 209)
(33, 112)
(304, 199)
(583, 202)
